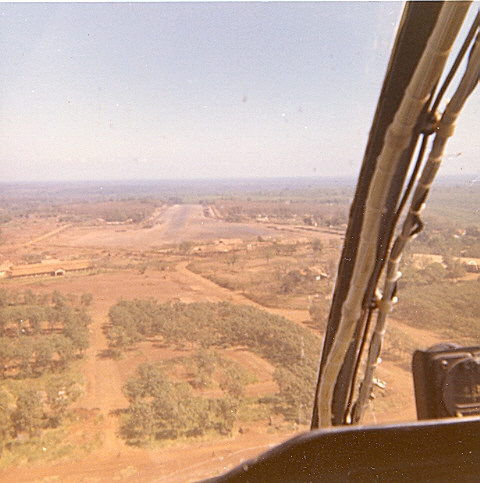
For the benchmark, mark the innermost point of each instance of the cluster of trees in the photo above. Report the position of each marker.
(472, 242)
(442, 241)
(39, 334)
(299, 282)
(292, 273)
(450, 307)
(209, 369)
(162, 408)
(449, 241)
(292, 349)
(121, 211)
(321, 213)
(27, 410)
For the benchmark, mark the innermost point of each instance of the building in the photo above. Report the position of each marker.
(53, 268)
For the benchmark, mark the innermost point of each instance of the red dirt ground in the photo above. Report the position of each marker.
(181, 461)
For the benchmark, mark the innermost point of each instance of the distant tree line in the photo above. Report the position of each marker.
(327, 213)
(448, 240)
(120, 211)
(292, 349)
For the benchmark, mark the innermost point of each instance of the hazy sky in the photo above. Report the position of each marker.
(186, 90)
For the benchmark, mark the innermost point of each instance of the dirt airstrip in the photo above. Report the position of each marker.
(104, 377)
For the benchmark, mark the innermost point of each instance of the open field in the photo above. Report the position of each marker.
(185, 253)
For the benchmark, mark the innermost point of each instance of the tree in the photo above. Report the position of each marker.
(433, 272)
(140, 421)
(78, 334)
(455, 268)
(45, 349)
(35, 316)
(318, 313)
(120, 338)
(4, 319)
(233, 383)
(472, 231)
(24, 353)
(296, 390)
(161, 408)
(58, 299)
(291, 282)
(29, 297)
(142, 393)
(6, 354)
(64, 349)
(4, 297)
(205, 363)
(232, 259)
(61, 392)
(317, 246)
(150, 381)
(185, 247)
(5, 415)
(226, 412)
(28, 414)
(86, 299)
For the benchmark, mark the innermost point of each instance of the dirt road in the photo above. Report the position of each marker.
(104, 377)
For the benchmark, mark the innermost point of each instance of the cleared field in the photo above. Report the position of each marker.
(178, 223)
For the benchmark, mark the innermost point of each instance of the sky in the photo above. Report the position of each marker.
(146, 91)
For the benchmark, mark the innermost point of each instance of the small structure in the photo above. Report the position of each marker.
(472, 267)
(319, 272)
(4, 268)
(53, 268)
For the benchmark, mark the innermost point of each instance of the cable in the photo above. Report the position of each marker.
(413, 224)
(461, 54)
(397, 138)
(428, 126)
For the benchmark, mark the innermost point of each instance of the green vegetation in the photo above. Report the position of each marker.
(455, 201)
(308, 213)
(120, 211)
(205, 327)
(449, 307)
(452, 221)
(161, 408)
(274, 274)
(449, 242)
(40, 337)
(206, 391)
